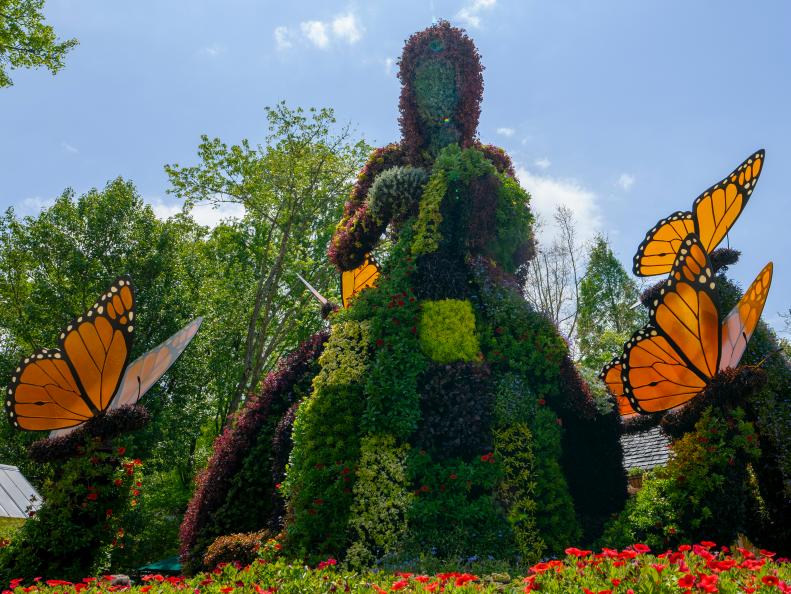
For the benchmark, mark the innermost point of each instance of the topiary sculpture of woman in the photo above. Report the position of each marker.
(446, 418)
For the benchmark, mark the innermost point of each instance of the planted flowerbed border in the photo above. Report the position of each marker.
(690, 569)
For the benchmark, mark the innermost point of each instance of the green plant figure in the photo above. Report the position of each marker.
(446, 420)
(463, 397)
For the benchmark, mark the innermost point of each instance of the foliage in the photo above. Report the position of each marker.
(240, 548)
(391, 386)
(223, 492)
(450, 46)
(705, 481)
(395, 193)
(80, 520)
(447, 331)
(606, 313)
(292, 187)
(512, 245)
(456, 411)
(429, 217)
(381, 500)
(516, 340)
(319, 479)
(454, 514)
(517, 489)
(26, 41)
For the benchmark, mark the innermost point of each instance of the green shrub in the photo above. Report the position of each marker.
(242, 548)
(706, 480)
(79, 523)
(447, 331)
(381, 500)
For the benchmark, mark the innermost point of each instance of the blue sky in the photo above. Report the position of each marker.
(623, 110)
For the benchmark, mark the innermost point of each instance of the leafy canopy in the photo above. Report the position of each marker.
(26, 41)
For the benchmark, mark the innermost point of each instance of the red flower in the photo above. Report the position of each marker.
(687, 581)
(641, 548)
(92, 497)
(399, 585)
(577, 552)
(121, 451)
(770, 580)
(659, 568)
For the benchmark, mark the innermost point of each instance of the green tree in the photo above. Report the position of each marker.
(292, 189)
(606, 316)
(26, 41)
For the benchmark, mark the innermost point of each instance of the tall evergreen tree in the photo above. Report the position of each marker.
(606, 314)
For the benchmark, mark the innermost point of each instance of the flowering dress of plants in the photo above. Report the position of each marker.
(441, 416)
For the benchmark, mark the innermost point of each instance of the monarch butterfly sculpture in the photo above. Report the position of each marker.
(89, 372)
(672, 359)
(713, 214)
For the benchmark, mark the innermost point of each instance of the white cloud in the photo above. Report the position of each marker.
(283, 38)
(316, 33)
(213, 50)
(548, 193)
(346, 28)
(470, 14)
(542, 163)
(390, 66)
(33, 205)
(69, 148)
(204, 214)
(626, 181)
(505, 131)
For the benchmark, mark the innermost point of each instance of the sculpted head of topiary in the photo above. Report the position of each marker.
(442, 85)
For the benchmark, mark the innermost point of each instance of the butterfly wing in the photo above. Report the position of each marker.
(717, 209)
(63, 387)
(146, 370)
(611, 376)
(738, 326)
(97, 344)
(354, 281)
(654, 374)
(686, 312)
(656, 254)
(44, 395)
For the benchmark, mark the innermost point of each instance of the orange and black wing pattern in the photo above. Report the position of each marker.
(611, 376)
(354, 281)
(713, 214)
(655, 376)
(672, 359)
(717, 209)
(739, 324)
(63, 387)
(146, 370)
(656, 254)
